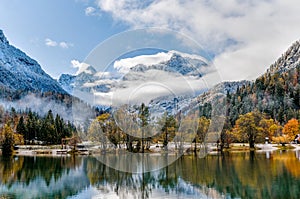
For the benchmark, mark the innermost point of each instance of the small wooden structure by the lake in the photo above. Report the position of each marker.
(73, 145)
(73, 141)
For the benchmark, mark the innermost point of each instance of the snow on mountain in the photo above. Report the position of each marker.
(218, 91)
(162, 81)
(290, 59)
(173, 105)
(21, 73)
(169, 104)
(172, 61)
(83, 67)
(87, 80)
(134, 70)
(67, 82)
(228, 87)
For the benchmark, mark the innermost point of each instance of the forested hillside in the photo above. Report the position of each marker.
(275, 93)
(271, 101)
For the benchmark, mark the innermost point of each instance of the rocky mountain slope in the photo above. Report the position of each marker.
(20, 73)
(275, 93)
(290, 59)
(90, 79)
(177, 63)
(25, 85)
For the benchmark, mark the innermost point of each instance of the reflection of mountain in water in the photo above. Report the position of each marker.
(62, 177)
(240, 175)
(41, 177)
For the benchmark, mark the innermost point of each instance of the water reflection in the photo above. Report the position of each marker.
(41, 177)
(232, 175)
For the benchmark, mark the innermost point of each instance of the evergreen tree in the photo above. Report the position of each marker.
(30, 127)
(21, 129)
(144, 116)
(169, 127)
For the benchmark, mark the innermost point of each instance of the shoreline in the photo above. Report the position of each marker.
(55, 150)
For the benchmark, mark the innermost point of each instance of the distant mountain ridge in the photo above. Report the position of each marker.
(67, 82)
(25, 85)
(275, 93)
(20, 73)
(290, 59)
(89, 79)
(177, 64)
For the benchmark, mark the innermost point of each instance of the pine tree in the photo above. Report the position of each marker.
(21, 129)
(168, 128)
(144, 117)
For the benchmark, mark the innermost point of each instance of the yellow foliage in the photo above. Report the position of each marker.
(274, 130)
(103, 117)
(18, 138)
(281, 139)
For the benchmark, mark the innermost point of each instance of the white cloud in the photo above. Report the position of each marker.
(124, 65)
(65, 44)
(134, 87)
(90, 11)
(246, 36)
(62, 44)
(103, 98)
(139, 87)
(49, 42)
(82, 67)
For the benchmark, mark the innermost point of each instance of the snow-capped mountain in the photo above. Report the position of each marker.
(228, 87)
(173, 105)
(67, 82)
(171, 69)
(87, 79)
(182, 103)
(290, 59)
(20, 73)
(177, 64)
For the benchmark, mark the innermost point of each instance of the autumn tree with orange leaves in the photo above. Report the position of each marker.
(289, 131)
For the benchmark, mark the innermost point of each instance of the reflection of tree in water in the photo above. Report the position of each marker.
(8, 168)
(238, 175)
(50, 176)
(242, 175)
(126, 184)
(107, 179)
(46, 168)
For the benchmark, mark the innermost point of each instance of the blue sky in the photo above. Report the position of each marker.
(27, 25)
(244, 37)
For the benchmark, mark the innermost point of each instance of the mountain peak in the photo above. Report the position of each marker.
(87, 69)
(290, 59)
(20, 73)
(177, 62)
(90, 70)
(3, 38)
(177, 59)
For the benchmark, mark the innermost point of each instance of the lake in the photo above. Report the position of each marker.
(231, 175)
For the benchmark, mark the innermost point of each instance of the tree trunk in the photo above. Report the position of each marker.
(251, 144)
(195, 148)
(251, 141)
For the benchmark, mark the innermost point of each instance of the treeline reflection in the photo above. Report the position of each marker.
(244, 175)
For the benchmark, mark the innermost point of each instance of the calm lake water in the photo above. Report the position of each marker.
(233, 175)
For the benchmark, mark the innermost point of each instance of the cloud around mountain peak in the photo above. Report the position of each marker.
(126, 64)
